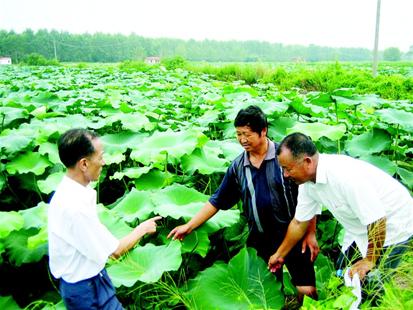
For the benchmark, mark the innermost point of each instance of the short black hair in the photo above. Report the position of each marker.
(74, 145)
(252, 117)
(299, 144)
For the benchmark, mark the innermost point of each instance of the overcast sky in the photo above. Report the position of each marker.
(335, 23)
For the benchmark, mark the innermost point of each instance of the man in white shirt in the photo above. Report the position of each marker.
(375, 210)
(79, 244)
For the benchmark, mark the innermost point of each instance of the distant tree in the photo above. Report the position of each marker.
(35, 59)
(100, 47)
(392, 54)
(409, 54)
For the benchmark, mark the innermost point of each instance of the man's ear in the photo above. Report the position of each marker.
(308, 160)
(264, 131)
(82, 164)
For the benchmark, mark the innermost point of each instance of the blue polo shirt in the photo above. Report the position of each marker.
(271, 205)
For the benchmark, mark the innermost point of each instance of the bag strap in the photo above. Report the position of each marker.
(253, 201)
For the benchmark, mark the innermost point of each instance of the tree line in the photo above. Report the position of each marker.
(101, 47)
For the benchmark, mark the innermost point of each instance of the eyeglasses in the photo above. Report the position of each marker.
(295, 163)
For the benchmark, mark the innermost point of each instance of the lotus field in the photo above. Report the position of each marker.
(169, 137)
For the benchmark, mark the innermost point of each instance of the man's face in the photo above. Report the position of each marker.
(95, 161)
(249, 139)
(297, 170)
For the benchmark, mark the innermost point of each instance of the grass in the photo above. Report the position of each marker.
(395, 80)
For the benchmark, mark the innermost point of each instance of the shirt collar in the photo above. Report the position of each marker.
(270, 153)
(321, 176)
(80, 189)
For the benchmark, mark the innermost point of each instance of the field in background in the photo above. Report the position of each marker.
(169, 137)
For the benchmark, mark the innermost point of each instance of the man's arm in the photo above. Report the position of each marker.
(310, 239)
(296, 231)
(376, 236)
(201, 217)
(129, 241)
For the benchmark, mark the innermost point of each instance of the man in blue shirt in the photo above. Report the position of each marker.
(269, 200)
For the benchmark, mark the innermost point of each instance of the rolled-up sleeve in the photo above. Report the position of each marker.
(307, 207)
(228, 193)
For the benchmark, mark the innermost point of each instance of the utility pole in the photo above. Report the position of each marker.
(376, 40)
(55, 51)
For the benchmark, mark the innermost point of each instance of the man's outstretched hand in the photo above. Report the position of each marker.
(275, 262)
(180, 232)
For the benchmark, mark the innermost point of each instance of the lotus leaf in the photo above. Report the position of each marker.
(243, 283)
(146, 264)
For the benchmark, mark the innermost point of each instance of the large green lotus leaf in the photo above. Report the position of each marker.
(8, 303)
(268, 107)
(240, 96)
(176, 211)
(51, 150)
(229, 131)
(9, 114)
(381, 162)
(43, 97)
(62, 124)
(369, 100)
(178, 194)
(132, 173)
(12, 141)
(318, 130)
(28, 162)
(370, 142)
(343, 92)
(230, 148)
(406, 176)
(397, 118)
(120, 142)
(303, 107)
(277, 129)
(179, 201)
(37, 240)
(346, 101)
(324, 270)
(146, 264)
(162, 145)
(196, 242)
(209, 117)
(35, 217)
(10, 221)
(41, 131)
(224, 218)
(320, 99)
(132, 121)
(116, 225)
(50, 183)
(245, 283)
(154, 179)
(17, 248)
(113, 158)
(135, 205)
(205, 161)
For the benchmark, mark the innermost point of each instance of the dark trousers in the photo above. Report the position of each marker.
(299, 265)
(94, 293)
(390, 258)
(373, 284)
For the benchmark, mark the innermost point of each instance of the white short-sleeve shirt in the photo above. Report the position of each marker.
(357, 194)
(79, 244)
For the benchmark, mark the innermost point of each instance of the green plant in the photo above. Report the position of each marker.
(174, 62)
(35, 59)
